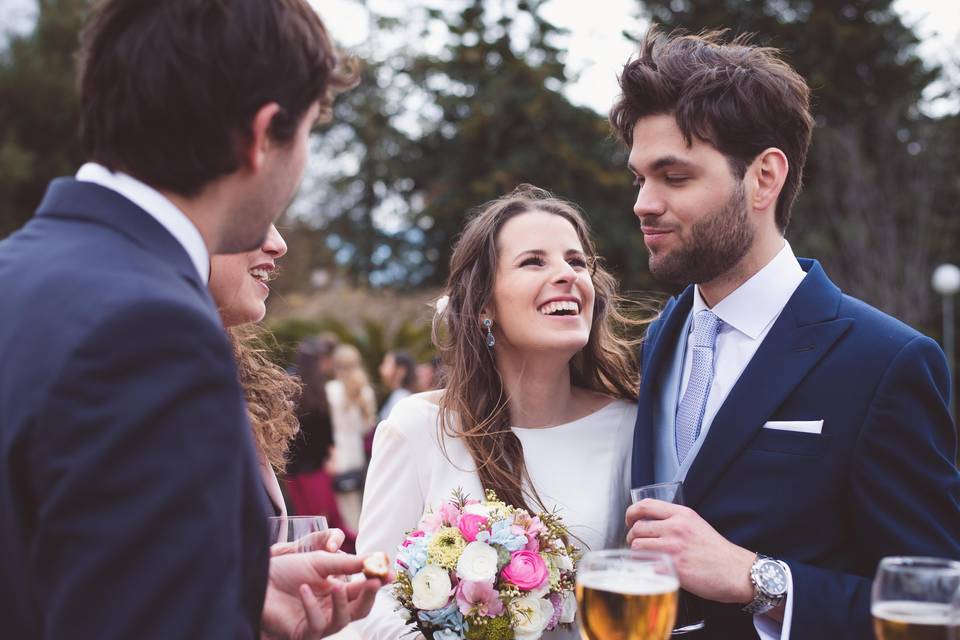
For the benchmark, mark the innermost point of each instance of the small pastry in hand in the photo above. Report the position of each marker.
(376, 565)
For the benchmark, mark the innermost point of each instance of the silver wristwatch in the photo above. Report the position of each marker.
(769, 579)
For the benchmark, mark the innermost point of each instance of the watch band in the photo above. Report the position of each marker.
(762, 600)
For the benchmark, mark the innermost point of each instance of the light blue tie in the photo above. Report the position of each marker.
(706, 326)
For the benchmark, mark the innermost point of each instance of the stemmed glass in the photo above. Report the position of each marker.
(689, 608)
(916, 598)
(626, 595)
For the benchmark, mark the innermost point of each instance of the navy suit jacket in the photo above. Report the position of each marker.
(879, 480)
(130, 501)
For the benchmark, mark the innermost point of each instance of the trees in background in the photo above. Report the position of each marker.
(39, 110)
(434, 131)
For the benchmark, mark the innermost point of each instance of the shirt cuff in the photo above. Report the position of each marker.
(768, 628)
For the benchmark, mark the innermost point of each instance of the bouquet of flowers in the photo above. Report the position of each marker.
(483, 570)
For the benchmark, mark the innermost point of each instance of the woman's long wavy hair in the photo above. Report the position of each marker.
(475, 406)
(271, 395)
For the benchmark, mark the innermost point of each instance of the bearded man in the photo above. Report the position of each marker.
(811, 431)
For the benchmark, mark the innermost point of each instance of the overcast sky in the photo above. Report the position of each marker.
(595, 47)
(596, 50)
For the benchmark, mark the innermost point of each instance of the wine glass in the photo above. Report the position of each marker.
(626, 595)
(297, 534)
(915, 597)
(690, 607)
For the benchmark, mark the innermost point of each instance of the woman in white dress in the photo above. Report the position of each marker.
(353, 411)
(540, 390)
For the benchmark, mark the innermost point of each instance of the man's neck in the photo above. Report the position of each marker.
(204, 211)
(760, 254)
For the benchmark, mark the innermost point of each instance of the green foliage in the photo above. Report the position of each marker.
(39, 110)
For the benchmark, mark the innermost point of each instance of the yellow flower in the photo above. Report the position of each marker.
(445, 548)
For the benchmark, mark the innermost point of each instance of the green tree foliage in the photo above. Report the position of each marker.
(480, 116)
(503, 121)
(38, 110)
(877, 205)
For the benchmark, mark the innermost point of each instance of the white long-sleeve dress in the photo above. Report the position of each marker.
(581, 468)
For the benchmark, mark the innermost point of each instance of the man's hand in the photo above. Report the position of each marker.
(303, 603)
(707, 564)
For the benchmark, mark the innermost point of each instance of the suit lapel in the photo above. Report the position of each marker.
(802, 335)
(662, 346)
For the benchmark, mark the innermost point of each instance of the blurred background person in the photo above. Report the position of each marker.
(429, 375)
(398, 373)
(309, 486)
(353, 410)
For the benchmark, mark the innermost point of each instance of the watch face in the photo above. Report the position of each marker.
(772, 578)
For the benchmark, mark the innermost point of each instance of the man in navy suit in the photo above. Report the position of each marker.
(811, 431)
(130, 500)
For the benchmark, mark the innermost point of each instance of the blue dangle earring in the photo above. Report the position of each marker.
(488, 323)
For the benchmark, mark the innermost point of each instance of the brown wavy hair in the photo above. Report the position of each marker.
(475, 406)
(271, 395)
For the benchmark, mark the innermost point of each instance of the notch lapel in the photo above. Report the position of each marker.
(803, 334)
(668, 326)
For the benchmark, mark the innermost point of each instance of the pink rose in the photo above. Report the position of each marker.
(479, 598)
(449, 514)
(526, 569)
(470, 525)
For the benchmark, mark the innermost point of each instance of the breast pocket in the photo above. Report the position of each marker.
(791, 442)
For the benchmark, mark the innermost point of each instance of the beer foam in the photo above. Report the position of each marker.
(907, 612)
(628, 583)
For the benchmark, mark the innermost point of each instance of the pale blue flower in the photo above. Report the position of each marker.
(500, 533)
(449, 618)
(414, 555)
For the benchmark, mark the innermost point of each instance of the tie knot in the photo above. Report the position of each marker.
(706, 326)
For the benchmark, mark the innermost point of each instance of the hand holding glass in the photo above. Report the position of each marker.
(297, 534)
(689, 608)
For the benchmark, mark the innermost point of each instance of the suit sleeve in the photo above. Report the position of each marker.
(905, 493)
(138, 461)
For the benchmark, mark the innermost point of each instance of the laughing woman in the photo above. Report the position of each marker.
(238, 285)
(539, 403)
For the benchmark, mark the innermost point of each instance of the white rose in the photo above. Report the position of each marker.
(431, 588)
(478, 562)
(568, 608)
(530, 617)
(477, 509)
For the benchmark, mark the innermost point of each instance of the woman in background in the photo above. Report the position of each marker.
(353, 414)
(398, 374)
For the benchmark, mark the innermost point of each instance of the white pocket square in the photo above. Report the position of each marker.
(797, 426)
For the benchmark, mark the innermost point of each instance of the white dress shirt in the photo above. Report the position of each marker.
(747, 313)
(158, 206)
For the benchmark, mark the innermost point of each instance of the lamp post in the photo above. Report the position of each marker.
(946, 282)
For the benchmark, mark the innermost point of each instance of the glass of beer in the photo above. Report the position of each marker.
(915, 598)
(689, 606)
(626, 595)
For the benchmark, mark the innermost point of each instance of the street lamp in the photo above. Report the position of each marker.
(946, 282)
